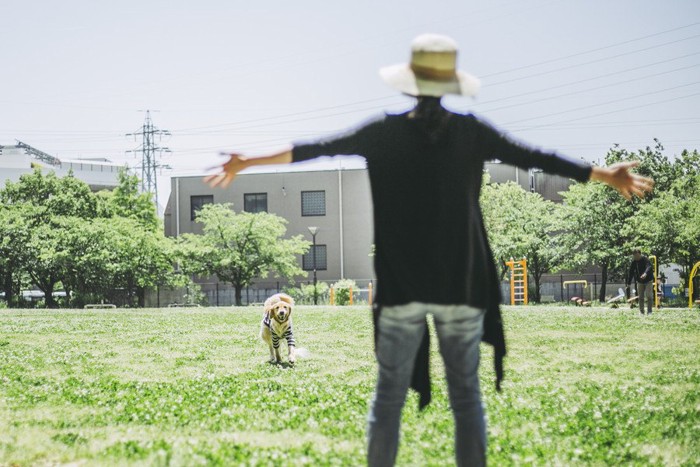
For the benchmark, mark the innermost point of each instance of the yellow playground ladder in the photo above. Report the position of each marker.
(518, 281)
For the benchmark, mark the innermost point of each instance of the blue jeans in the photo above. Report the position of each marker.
(459, 329)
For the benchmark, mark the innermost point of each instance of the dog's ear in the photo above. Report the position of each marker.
(287, 299)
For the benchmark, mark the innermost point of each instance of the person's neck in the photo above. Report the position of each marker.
(427, 105)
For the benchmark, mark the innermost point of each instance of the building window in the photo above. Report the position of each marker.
(255, 202)
(307, 262)
(313, 203)
(198, 202)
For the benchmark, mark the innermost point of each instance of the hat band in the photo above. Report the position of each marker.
(432, 74)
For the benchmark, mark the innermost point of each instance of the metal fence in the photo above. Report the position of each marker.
(222, 294)
(553, 289)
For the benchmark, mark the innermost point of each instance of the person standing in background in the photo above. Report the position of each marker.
(642, 273)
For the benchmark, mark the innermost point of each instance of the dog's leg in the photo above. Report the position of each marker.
(291, 357)
(276, 347)
(266, 337)
(274, 355)
(291, 343)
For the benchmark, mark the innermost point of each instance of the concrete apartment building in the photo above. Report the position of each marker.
(336, 201)
(19, 159)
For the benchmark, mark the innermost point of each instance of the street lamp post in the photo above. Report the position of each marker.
(314, 231)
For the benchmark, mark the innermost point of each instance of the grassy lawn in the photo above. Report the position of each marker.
(191, 386)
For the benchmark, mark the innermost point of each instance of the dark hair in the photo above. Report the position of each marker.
(431, 116)
(636, 251)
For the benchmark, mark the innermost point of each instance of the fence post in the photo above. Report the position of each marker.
(561, 286)
(332, 296)
(594, 292)
(370, 293)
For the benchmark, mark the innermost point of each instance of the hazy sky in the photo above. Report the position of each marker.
(577, 76)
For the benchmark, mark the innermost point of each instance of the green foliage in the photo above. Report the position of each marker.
(304, 294)
(669, 225)
(241, 247)
(126, 201)
(591, 225)
(160, 387)
(193, 294)
(90, 244)
(519, 224)
(599, 227)
(342, 289)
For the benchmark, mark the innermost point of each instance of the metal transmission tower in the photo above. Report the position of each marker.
(150, 152)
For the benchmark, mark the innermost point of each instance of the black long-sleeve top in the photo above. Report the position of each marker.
(638, 268)
(430, 241)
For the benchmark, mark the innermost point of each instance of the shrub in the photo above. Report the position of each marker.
(304, 294)
(342, 291)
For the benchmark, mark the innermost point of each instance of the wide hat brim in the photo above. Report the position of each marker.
(401, 77)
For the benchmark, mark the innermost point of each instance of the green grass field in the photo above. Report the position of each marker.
(191, 387)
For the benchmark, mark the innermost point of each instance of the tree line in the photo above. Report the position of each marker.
(109, 247)
(595, 226)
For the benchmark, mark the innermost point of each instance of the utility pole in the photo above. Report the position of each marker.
(150, 151)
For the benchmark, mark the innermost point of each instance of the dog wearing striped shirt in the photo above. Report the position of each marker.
(277, 325)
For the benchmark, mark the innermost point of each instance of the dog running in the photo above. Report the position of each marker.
(277, 325)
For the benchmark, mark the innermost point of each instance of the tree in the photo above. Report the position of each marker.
(597, 223)
(14, 233)
(591, 222)
(126, 201)
(520, 224)
(92, 244)
(42, 200)
(240, 247)
(669, 225)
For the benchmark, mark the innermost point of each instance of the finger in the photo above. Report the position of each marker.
(645, 182)
(227, 181)
(208, 178)
(638, 192)
(629, 164)
(215, 181)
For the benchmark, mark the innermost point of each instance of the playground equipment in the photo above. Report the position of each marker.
(578, 300)
(369, 290)
(518, 281)
(691, 276)
(620, 296)
(656, 280)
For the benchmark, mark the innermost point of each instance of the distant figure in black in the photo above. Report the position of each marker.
(642, 273)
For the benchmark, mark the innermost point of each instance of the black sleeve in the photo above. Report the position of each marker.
(358, 141)
(497, 145)
(647, 269)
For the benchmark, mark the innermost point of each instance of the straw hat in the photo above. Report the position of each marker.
(432, 71)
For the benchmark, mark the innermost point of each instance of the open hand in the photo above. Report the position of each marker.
(228, 171)
(623, 180)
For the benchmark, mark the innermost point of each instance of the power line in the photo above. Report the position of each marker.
(664, 101)
(534, 75)
(586, 52)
